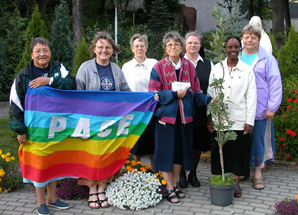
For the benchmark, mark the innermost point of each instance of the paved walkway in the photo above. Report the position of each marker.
(281, 182)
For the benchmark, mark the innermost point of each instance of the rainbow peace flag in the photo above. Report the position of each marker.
(86, 134)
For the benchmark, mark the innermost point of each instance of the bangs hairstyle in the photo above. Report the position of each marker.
(252, 29)
(40, 40)
(103, 35)
(172, 35)
(141, 37)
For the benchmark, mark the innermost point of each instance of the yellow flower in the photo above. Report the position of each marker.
(157, 174)
(2, 173)
(149, 179)
(12, 158)
(163, 182)
(0, 179)
(161, 175)
(7, 159)
(133, 163)
(8, 154)
(0, 189)
(0, 151)
(3, 156)
(296, 197)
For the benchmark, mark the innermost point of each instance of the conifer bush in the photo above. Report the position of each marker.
(61, 36)
(35, 28)
(288, 55)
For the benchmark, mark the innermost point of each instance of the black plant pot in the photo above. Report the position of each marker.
(222, 195)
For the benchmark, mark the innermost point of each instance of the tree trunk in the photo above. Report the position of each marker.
(287, 15)
(77, 20)
(278, 21)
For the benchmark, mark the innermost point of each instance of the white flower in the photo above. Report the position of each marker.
(134, 190)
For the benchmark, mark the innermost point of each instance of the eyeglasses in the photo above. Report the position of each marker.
(171, 45)
(100, 48)
(38, 52)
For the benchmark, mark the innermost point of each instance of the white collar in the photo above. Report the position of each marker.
(178, 65)
(199, 58)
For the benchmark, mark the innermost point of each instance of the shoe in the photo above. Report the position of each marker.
(182, 181)
(42, 209)
(179, 193)
(237, 191)
(259, 183)
(93, 201)
(100, 201)
(58, 204)
(171, 196)
(193, 180)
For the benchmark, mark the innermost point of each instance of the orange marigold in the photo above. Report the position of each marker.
(163, 182)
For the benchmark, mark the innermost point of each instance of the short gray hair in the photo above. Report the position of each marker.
(196, 34)
(252, 29)
(172, 35)
(141, 37)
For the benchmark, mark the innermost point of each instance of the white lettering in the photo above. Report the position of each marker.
(103, 131)
(57, 124)
(82, 129)
(123, 123)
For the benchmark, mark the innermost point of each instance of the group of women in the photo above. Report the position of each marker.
(178, 132)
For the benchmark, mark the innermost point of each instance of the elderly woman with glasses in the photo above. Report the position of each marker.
(174, 80)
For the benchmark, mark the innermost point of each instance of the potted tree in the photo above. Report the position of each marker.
(222, 186)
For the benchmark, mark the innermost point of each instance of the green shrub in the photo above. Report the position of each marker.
(81, 56)
(288, 55)
(36, 28)
(286, 121)
(61, 37)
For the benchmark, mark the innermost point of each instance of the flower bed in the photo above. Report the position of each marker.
(286, 122)
(288, 206)
(134, 190)
(10, 173)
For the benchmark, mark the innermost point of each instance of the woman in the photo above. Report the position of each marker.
(265, 41)
(40, 71)
(137, 74)
(173, 131)
(100, 74)
(201, 135)
(241, 97)
(269, 93)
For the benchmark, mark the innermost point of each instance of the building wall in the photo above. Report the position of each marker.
(205, 20)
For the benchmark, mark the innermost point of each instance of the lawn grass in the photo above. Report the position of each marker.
(8, 142)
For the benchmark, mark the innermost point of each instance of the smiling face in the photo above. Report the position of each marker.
(232, 49)
(174, 49)
(250, 42)
(103, 51)
(139, 49)
(41, 55)
(192, 45)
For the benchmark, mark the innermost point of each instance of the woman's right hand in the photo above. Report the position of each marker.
(181, 93)
(22, 138)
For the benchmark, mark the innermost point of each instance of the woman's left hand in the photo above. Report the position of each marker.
(247, 129)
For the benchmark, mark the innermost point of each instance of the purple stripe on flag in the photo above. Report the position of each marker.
(81, 106)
